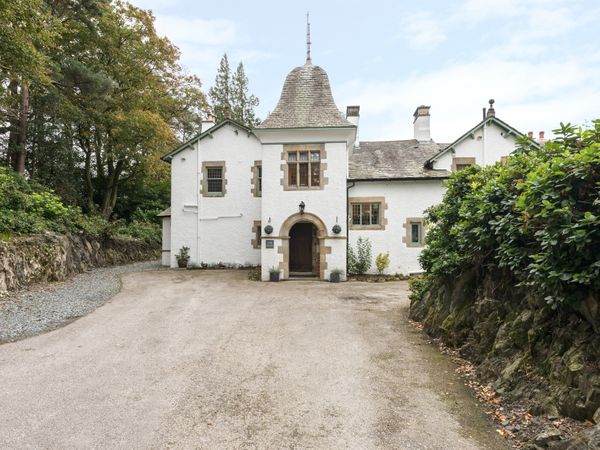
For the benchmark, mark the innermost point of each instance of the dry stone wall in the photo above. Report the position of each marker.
(53, 257)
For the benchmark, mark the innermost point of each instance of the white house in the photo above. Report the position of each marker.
(294, 192)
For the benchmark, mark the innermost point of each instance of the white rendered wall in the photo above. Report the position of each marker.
(488, 145)
(184, 203)
(166, 241)
(404, 199)
(329, 204)
(225, 223)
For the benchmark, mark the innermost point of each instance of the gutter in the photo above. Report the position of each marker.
(348, 187)
(400, 179)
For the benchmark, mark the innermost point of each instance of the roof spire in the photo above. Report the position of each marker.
(308, 59)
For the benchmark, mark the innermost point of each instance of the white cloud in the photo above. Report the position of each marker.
(528, 94)
(422, 30)
(196, 31)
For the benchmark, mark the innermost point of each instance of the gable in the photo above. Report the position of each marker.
(238, 127)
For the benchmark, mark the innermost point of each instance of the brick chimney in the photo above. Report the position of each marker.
(353, 116)
(422, 128)
(208, 123)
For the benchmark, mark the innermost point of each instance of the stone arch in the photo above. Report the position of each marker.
(303, 217)
(284, 234)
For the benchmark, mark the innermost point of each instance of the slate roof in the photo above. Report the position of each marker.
(380, 160)
(306, 102)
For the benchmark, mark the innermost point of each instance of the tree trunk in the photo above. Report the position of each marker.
(110, 194)
(13, 120)
(22, 133)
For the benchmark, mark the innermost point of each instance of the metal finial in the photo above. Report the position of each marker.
(308, 59)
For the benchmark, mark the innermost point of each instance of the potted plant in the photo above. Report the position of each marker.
(273, 274)
(183, 257)
(335, 275)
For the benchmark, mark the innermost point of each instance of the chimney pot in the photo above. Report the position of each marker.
(530, 134)
(541, 135)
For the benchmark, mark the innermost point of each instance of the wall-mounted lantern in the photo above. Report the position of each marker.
(301, 206)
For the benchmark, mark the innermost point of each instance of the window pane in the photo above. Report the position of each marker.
(303, 174)
(462, 166)
(366, 215)
(213, 172)
(303, 156)
(259, 181)
(415, 233)
(292, 176)
(355, 214)
(315, 174)
(375, 214)
(314, 156)
(214, 185)
(292, 156)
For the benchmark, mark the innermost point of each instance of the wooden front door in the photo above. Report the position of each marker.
(301, 248)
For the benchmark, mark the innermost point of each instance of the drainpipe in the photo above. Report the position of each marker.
(348, 187)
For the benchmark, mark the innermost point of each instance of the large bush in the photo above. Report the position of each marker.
(27, 207)
(537, 216)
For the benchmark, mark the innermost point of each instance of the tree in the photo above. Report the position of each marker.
(230, 97)
(243, 104)
(220, 93)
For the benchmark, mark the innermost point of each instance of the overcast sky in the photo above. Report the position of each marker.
(539, 59)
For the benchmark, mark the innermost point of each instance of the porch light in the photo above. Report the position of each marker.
(301, 206)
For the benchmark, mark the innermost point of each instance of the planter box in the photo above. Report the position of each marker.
(334, 277)
(273, 276)
(182, 263)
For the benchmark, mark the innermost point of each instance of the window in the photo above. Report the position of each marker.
(304, 169)
(256, 231)
(365, 213)
(460, 163)
(213, 178)
(256, 181)
(415, 232)
(259, 179)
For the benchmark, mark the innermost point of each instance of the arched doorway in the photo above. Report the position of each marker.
(318, 250)
(304, 250)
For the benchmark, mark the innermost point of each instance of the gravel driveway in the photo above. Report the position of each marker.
(195, 359)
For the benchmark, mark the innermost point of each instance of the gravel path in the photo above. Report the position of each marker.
(210, 360)
(49, 306)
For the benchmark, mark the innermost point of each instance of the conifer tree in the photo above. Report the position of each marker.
(243, 104)
(220, 93)
(230, 97)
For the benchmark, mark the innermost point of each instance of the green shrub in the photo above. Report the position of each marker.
(359, 262)
(537, 216)
(382, 262)
(27, 207)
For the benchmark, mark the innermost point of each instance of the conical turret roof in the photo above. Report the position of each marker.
(306, 102)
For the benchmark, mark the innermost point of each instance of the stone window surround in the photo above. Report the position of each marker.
(254, 180)
(256, 232)
(406, 239)
(382, 210)
(203, 187)
(462, 160)
(304, 148)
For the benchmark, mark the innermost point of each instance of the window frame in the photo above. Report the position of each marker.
(408, 225)
(382, 207)
(256, 181)
(206, 165)
(462, 161)
(292, 169)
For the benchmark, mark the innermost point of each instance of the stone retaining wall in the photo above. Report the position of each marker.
(53, 257)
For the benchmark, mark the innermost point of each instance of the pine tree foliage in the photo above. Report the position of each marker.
(230, 97)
